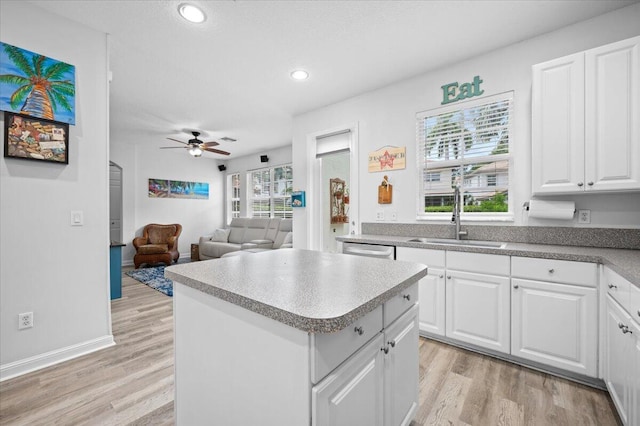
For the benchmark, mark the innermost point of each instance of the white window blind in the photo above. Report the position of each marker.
(468, 144)
(271, 192)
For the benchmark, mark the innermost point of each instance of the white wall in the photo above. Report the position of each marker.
(387, 117)
(58, 272)
(197, 217)
(277, 157)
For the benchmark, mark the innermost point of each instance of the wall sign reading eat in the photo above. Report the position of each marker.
(452, 92)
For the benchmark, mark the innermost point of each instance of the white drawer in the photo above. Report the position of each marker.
(481, 263)
(559, 271)
(400, 304)
(430, 257)
(619, 289)
(328, 350)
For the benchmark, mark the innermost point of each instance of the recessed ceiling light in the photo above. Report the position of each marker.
(300, 75)
(191, 13)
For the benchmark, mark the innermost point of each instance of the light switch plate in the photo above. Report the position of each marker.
(380, 215)
(77, 218)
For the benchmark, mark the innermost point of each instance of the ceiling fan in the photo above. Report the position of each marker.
(196, 146)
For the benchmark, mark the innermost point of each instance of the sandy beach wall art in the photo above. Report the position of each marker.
(165, 188)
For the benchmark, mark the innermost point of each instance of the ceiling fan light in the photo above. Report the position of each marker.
(195, 151)
(299, 75)
(191, 13)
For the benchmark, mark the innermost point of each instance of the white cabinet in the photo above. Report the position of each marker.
(401, 370)
(378, 385)
(585, 127)
(478, 304)
(353, 393)
(621, 352)
(432, 287)
(554, 313)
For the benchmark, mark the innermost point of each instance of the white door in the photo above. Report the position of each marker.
(555, 324)
(612, 136)
(401, 369)
(557, 132)
(353, 393)
(115, 202)
(635, 373)
(478, 309)
(616, 357)
(432, 302)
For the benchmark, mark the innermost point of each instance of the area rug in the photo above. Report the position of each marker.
(154, 278)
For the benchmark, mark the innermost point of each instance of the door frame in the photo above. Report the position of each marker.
(314, 168)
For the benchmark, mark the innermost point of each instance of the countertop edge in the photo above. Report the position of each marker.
(310, 325)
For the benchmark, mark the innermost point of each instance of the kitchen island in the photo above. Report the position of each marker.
(296, 337)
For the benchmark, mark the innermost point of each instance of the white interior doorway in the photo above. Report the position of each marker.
(115, 202)
(333, 190)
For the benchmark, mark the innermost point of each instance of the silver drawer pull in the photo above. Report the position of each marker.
(407, 296)
(359, 330)
(448, 277)
(590, 183)
(551, 271)
(441, 275)
(516, 286)
(625, 330)
(385, 349)
(580, 183)
(612, 286)
(392, 343)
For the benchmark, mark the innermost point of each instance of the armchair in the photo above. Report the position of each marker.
(158, 243)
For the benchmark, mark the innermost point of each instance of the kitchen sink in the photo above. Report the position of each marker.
(467, 243)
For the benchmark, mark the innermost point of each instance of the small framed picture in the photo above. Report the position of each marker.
(31, 138)
(297, 199)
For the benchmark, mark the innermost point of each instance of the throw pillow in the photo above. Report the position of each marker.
(220, 235)
(288, 239)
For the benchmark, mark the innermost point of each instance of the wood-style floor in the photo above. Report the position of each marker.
(132, 382)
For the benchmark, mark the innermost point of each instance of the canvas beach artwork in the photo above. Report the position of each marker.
(35, 85)
(163, 188)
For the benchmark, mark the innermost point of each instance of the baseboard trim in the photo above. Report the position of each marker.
(27, 365)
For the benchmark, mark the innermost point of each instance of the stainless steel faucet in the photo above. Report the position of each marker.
(457, 203)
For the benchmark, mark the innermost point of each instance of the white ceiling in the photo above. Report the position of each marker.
(230, 75)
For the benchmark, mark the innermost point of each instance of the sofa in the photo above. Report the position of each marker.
(247, 234)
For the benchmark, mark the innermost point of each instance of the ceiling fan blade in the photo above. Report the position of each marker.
(174, 147)
(216, 151)
(176, 140)
(209, 144)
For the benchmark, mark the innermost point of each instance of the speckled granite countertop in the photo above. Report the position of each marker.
(624, 262)
(309, 290)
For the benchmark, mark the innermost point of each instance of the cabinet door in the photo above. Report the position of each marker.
(432, 296)
(557, 133)
(555, 324)
(353, 393)
(634, 375)
(612, 81)
(478, 309)
(616, 358)
(401, 370)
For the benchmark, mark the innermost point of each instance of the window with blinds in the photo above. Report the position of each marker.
(465, 144)
(271, 192)
(235, 195)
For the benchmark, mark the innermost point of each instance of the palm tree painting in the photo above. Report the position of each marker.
(35, 85)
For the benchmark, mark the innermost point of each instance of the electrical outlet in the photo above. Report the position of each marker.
(394, 215)
(380, 215)
(25, 320)
(584, 216)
